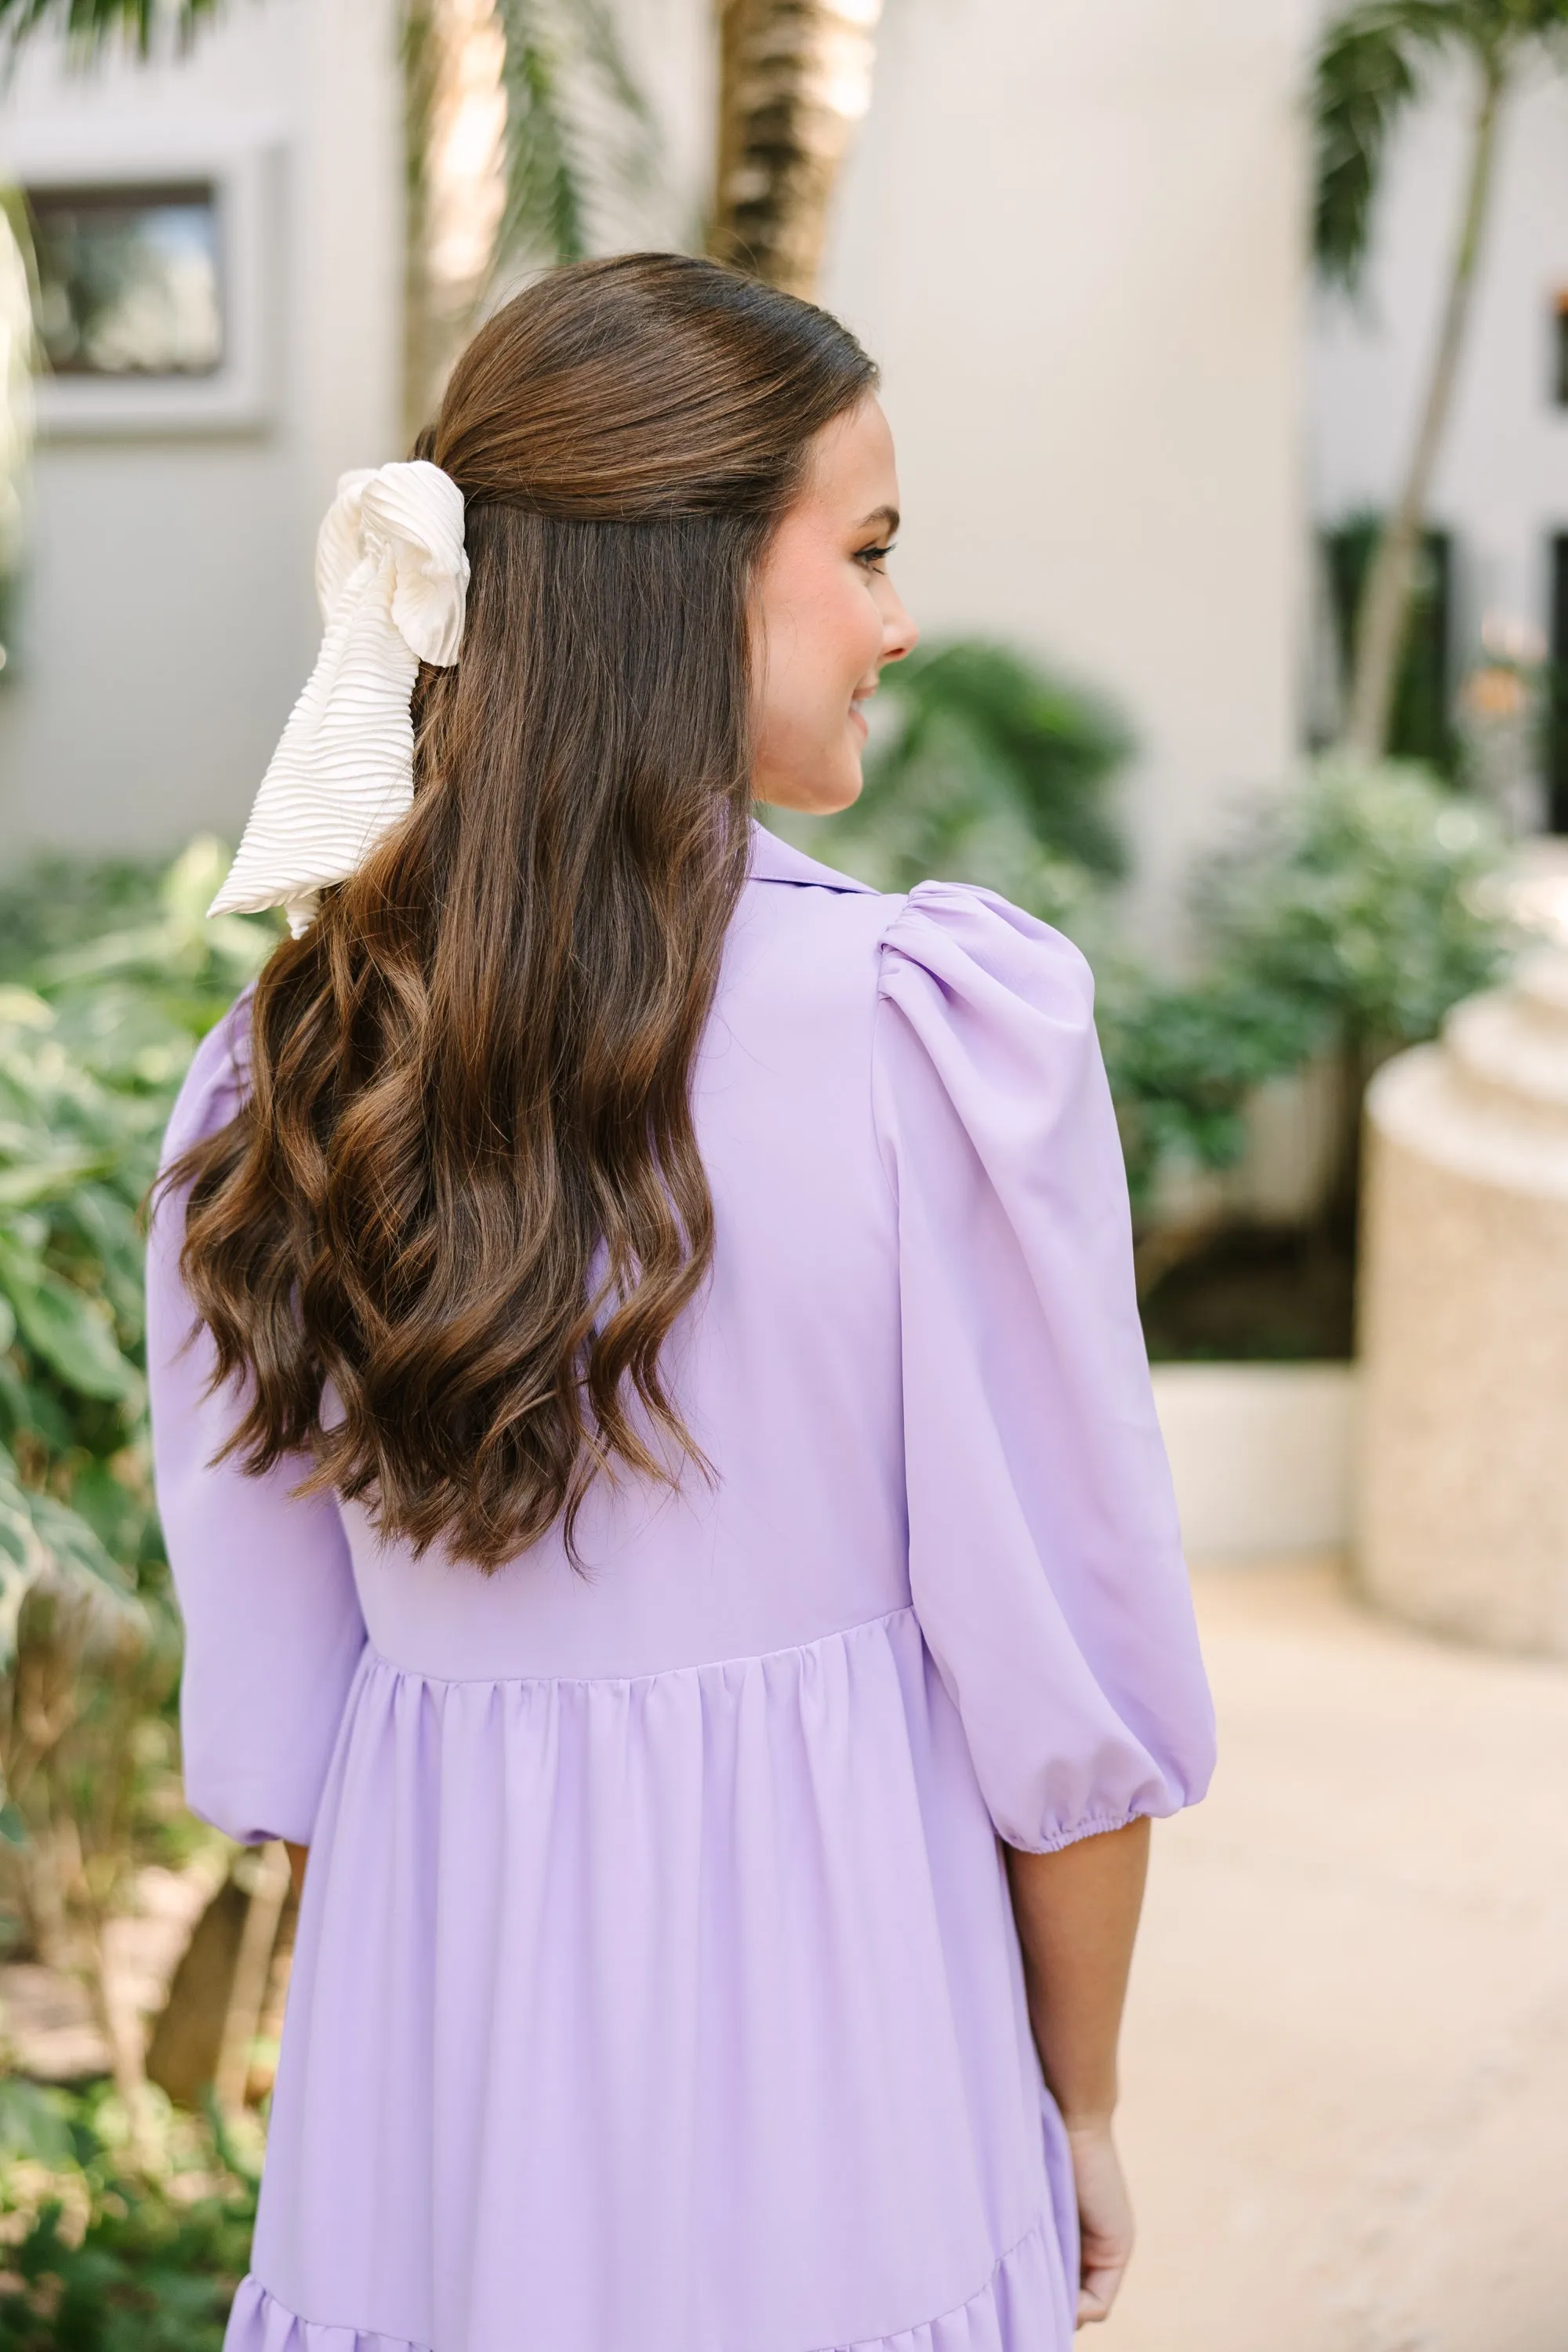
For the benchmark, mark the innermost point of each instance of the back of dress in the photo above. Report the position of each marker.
(657, 1981)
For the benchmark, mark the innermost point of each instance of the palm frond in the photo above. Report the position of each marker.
(1368, 70)
(89, 26)
(1505, 23)
(578, 128)
(546, 202)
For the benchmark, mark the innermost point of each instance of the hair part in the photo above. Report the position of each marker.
(447, 1236)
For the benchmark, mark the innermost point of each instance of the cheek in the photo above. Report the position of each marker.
(825, 634)
(864, 629)
(846, 636)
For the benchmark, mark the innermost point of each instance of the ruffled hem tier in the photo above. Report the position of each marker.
(260, 2323)
(1017, 2310)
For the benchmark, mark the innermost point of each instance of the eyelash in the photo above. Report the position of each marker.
(872, 557)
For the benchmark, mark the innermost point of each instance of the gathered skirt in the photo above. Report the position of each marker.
(678, 2012)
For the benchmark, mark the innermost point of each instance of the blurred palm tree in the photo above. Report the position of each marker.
(88, 24)
(522, 127)
(794, 77)
(1372, 64)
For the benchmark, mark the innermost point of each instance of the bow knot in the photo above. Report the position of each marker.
(392, 580)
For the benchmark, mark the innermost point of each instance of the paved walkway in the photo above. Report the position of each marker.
(1346, 2104)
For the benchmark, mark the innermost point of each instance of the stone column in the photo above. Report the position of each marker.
(1462, 1501)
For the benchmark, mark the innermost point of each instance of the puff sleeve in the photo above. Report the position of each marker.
(265, 1582)
(1046, 1562)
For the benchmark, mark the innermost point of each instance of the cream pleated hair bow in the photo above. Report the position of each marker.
(391, 579)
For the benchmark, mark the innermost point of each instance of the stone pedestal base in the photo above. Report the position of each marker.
(1462, 1492)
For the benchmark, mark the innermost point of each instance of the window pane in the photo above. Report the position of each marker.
(129, 279)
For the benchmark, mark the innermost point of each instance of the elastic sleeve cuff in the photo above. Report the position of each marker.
(1097, 1825)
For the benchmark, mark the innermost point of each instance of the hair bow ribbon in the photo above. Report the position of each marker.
(391, 579)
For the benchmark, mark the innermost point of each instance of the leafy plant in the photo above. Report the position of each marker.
(90, 1056)
(55, 902)
(103, 2255)
(89, 1059)
(1346, 920)
(983, 768)
(1184, 1056)
(1364, 898)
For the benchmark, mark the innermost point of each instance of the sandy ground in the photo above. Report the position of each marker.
(45, 2015)
(1346, 2082)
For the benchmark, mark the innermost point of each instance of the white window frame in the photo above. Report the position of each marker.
(244, 164)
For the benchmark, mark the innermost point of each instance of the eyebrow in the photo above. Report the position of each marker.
(888, 516)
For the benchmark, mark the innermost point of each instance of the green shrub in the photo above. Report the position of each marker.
(101, 2255)
(1182, 1058)
(92, 1050)
(92, 1053)
(1346, 919)
(54, 901)
(1367, 897)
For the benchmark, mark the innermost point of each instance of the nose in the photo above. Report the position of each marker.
(900, 631)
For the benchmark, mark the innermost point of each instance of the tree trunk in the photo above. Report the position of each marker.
(252, 1970)
(1384, 612)
(454, 135)
(794, 77)
(187, 2037)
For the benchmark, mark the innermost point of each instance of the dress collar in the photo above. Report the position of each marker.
(774, 860)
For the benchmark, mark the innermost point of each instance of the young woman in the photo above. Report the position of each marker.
(652, 1429)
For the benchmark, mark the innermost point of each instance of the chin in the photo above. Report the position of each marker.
(841, 793)
(825, 791)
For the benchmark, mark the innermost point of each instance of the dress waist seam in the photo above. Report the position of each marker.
(374, 1660)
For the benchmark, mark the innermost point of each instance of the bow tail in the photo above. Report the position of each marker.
(342, 774)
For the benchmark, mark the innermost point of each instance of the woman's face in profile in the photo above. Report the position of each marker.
(826, 617)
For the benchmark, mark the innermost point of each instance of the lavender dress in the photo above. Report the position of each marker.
(656, 1988)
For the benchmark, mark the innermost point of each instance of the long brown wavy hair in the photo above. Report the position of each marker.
(463, 1190)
